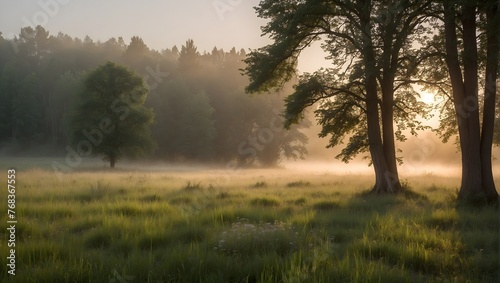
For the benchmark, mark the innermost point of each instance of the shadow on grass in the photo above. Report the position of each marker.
(479, 228)
(380, 203)
(425, 239)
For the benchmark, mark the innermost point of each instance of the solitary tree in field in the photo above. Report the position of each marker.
(110, 118)
(369, 89)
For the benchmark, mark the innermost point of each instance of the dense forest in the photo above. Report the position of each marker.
(201, 111)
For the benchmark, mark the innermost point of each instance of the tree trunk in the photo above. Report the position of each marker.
(388, 131)
(392, 45)
(492, 57)
(383, 180)
(472, 185)
(465, 98)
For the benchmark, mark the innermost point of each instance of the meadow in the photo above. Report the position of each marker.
(244, 226)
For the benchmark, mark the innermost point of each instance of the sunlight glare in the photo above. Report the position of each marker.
(427, 97)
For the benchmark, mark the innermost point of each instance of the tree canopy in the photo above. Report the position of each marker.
(380, 50)
(110, 119)
(370, 86)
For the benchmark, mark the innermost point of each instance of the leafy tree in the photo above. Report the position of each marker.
(369, 43)
(110, 119)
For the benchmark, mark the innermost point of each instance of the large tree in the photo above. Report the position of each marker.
(464, 73)
(462, 20)
(368, 90)
(110, 119)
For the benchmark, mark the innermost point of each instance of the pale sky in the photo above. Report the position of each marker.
(161, 24)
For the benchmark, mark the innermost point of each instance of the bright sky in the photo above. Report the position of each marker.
(161, 24)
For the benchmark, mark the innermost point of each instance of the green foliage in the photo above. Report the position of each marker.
(270, 67)
(26, 112)
(189, 58)
(201, 110)
(338, 94)
(185, 128)
(110, 117)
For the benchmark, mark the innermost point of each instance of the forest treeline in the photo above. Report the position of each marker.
(202, 112)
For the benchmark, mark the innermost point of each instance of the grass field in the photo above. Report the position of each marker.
(249, 226)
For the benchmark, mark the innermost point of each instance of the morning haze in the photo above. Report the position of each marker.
(250, 141)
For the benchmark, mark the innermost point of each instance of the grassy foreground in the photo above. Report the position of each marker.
(250, 226)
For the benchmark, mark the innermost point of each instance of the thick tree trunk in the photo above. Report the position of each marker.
(465, 95)
(492, 57)
(472, 185)
(388, 131)
(383, 178)
(392, 45)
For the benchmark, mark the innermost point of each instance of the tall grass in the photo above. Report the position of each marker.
(129, 226)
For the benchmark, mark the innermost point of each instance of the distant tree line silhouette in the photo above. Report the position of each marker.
(201, 111)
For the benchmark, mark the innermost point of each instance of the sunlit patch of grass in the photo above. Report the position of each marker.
(443, 219)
